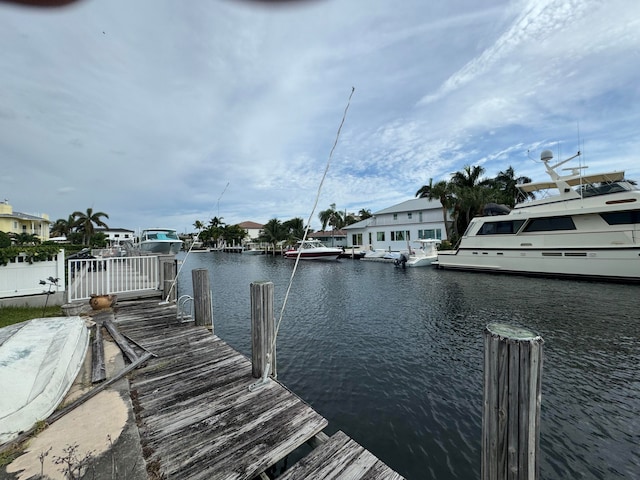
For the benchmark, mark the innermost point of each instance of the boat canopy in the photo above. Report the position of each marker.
(572, 181)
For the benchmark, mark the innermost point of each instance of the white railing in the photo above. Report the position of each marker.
(19, 277)
(103, 276)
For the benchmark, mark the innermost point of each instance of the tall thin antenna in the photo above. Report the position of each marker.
(225, 189)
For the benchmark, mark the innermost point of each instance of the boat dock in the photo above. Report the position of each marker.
(198, 418)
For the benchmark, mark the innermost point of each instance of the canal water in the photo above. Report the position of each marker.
(394, 358)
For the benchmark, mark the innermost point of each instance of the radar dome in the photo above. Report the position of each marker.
(546, 155)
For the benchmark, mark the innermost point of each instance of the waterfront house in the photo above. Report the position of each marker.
(252, 229)
(116, 236)
(395, 227)
(12, 222)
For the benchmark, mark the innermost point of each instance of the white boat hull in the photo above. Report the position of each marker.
(601, 263)
(40, 360)
(161, 247)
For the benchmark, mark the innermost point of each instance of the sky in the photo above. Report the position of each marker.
(164, 112)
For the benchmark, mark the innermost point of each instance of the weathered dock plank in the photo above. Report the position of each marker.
(198, 418)
(340, 457)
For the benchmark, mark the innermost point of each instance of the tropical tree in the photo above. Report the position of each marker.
(294, 228)
(331, 217)
(439, 191)
(27, 239)
(471, 192)
(5, 240)
(198, 225)
(85, 222)
(506, 183)
(273, 232)
(365, 213)
(62, 227)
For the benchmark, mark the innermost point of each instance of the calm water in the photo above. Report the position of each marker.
(394, 358)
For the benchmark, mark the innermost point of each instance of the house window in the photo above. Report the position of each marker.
(409, 215)
(395, 216)
(398, 236)
(380, 236)
(370, 242)
(420, 217)
(430, 233)
(356, 239)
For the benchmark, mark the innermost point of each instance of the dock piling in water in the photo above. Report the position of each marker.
(512, 396)
(262, 329)
(202, 306)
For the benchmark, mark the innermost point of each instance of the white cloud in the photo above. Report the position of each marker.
(146, 111)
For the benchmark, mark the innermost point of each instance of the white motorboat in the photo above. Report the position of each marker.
(160, 240)
(313, 250)
(589, 228)
(40, 360)
(423, 256)
(253, 249)
(374, 253)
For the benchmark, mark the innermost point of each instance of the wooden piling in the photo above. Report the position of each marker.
(512, 396)
(202, 306)
(169, 275)
(262, 328)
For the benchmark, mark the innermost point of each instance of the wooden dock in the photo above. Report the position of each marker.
(198, 418)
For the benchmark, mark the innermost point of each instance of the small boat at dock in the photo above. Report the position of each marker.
(313, 250)
(159, 240)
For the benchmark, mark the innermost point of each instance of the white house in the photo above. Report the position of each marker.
(116, 236)
(252, 228)
(394, 227)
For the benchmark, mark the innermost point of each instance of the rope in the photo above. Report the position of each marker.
(304, 237)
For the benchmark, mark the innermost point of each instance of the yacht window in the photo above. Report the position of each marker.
(621, 218)
(501, 228)
(550, 224)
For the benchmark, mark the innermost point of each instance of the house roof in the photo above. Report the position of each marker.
(411, 205)
(251, 225)
(100, 229)
(24, 216)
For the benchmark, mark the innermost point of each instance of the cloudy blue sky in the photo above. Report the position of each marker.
(148, 109)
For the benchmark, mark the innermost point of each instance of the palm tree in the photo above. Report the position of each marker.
(294, 228)
(442, 192)
(85, 222)
(273, 232)
(332, 217)
(470, 192)
(507, 183)
(198, 225)
(62, 227)
(365, 213)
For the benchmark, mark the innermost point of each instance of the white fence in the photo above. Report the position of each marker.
(102, 276)
(20, 278)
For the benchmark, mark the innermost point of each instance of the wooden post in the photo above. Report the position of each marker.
(169, 290)
(511, 410)
(202, 306)
(262, 328)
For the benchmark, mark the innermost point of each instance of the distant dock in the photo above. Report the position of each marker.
(199, 420)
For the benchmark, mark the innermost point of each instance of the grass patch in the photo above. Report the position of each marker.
(11, 315)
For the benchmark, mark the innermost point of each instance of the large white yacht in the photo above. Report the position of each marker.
(588, 227)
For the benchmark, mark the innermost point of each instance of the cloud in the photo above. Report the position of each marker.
(147, 111)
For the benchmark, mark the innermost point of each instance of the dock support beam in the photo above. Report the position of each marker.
(262, 328)
(511, 410)
(202, 306)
